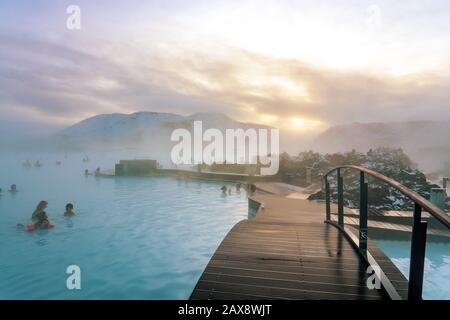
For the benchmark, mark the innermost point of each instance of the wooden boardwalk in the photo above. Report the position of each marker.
(288, 252)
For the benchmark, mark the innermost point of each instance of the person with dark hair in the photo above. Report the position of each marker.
(69, 210)
(224, 189)
(250, 188)
(13, 188)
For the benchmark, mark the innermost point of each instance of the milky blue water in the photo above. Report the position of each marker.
(437, 265)
(133, 238)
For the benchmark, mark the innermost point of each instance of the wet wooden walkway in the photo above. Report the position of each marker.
(286, 252)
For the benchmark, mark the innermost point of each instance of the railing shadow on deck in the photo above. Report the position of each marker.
(419, 228)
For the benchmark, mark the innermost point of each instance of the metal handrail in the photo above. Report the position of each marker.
(436, 212)
(419, 230)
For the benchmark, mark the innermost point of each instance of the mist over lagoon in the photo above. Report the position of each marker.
(224, 150)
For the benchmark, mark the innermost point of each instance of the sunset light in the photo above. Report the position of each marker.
(248, 150)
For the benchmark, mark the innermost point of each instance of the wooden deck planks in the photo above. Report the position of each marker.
(287, 252)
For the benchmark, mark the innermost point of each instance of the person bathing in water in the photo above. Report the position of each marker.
(13, 188)
(252, 188)
(39, 216)
(226, 190)
(69, 210)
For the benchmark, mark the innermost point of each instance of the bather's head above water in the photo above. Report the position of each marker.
(69, 210)
(13, 188)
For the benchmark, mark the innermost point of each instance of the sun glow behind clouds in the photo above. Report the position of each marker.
(303, 124)
(268, 119)
(294, 124)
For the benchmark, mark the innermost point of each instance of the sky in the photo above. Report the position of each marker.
(297, 65)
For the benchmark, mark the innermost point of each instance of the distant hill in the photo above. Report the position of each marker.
(427, 142)
(119, 126)
(141, 133)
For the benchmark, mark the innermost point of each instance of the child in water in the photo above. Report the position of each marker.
(69, 210)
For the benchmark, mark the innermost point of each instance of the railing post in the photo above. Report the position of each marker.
(327, 199)
(417, 259)
(363, 211)
(340, 181)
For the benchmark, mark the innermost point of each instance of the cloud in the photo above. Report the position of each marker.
(289, 88)
(56, 84)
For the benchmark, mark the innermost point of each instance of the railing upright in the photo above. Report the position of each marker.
(340, 182)
(363, 211)
(417, 260)
(327, 199)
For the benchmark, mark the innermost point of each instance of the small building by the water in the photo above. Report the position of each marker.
(136, 167)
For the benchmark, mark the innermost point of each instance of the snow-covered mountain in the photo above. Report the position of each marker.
(147, 132)
(118, 125)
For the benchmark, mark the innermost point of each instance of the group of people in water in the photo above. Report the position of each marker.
(27, 164)
(249, 188)
(38, 164)
(96, 172)
(12, 189)
(40, 218)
